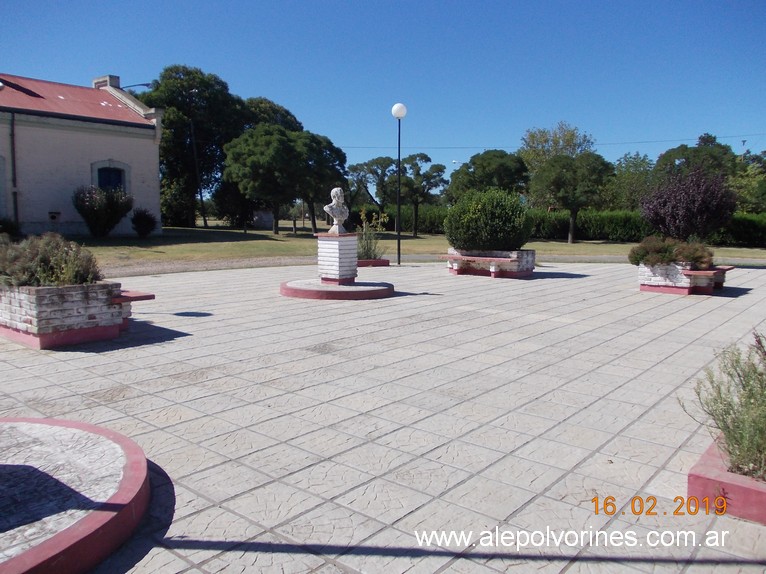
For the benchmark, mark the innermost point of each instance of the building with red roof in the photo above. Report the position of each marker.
(57, 137)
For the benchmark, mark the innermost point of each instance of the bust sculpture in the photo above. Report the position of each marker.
(337, 210)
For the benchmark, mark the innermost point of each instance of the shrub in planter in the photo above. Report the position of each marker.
(734, 399)
(143, 222)
(653, 251)
(47, 260)
(102, 209)
(491, 220)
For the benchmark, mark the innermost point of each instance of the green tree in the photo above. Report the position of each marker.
(632, 181)
(321, 167)
(749, 182)
(491, 168)
(708, 154)
(378, 173)
(572, 182)
(264, 111)
(200, 117)
(421, 183)
(262, 163)
(231, 205)
(539, 144)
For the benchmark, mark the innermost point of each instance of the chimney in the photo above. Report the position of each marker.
(104, 81)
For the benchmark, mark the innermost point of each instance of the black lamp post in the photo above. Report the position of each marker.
(399, 111)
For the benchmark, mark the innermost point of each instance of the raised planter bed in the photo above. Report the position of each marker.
(507, 264)
(680, 279)
(49, 317)
(709, 478)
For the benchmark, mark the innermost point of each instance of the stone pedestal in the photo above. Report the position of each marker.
(336, 258)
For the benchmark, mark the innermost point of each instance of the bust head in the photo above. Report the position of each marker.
(337, 195)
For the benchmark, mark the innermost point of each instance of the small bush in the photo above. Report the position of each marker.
(143, 221)
(735, 400)
(491, 220)
(102, 209)
(655, 250)
(46, 260)
(367, 247)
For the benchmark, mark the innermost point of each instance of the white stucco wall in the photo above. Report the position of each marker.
(56, 156)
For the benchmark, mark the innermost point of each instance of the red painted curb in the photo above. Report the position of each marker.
(745, 496)
(61, 338)
(356, 292)
(89, 541)
(373, 263)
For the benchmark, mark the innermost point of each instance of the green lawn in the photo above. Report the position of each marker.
(178, 244)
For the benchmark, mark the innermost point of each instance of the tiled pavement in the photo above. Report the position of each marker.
(288, 435)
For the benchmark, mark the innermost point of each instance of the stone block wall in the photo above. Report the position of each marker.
(43, 310)
(663, 275)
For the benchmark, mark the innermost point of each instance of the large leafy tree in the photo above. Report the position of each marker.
(230, 204)
(572, 182)
(201, 116)
(492, 168)
(422, 182)
(689, 204)
(321, 167)
(538, 145)
(708, 154)
(632, 181)
(263, 162)
(749, 182)
(378, 174)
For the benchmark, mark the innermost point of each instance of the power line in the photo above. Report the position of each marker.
(485, 147)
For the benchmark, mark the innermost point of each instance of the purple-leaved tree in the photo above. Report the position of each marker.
(691, 204)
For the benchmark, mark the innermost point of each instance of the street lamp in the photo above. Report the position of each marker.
(399, 111)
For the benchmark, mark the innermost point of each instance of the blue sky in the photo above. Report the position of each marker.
(474, 75)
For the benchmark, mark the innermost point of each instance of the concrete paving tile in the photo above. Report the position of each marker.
(186, 459)
(373, 458)
(524, 423)
(529, 475)
(238, 443)
(428, 476)
(544, 512)
(445, 425)
(389, 551)
(326, 442)
(442, 516)
(464, 455)
(491, 497)
(328, 479)
(279, 460)
(412, 440)
(273, 503)
(496, 438)
(285, 427)
(330, 528)
(205, 534)
(555, 453)
(366, 427)
(227, 480)
(638, 450)
(401, 413)
(618, 471)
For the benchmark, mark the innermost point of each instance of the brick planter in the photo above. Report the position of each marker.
(511, 264)
(679, 278)
(47, 317)
(745, 496)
